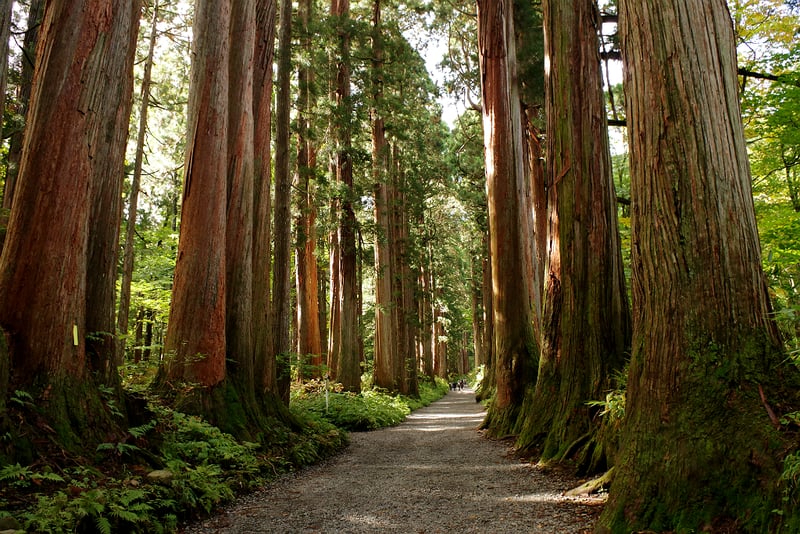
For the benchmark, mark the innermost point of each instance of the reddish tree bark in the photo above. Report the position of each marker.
(309, 345)
(195, 338)
(698, 448)
(265, 371)
(69, 167)
(586, 320)
(510, 224)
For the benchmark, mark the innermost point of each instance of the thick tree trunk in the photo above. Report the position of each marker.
(108, 136)
(133, 198)
(510, 225)
(586, 320)
(698, 448)
(281, 306)
(196, 333)
(68, 169)
(265, 368)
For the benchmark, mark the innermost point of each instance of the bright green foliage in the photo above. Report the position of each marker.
(368, 410)
(208, 469)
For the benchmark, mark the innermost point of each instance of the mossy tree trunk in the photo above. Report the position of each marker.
(510, 224)
(698, 447)
(586, 319)
(69, 168)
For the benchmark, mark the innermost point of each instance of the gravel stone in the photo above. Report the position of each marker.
(434, 473)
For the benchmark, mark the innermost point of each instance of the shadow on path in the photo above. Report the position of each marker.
(434, 473)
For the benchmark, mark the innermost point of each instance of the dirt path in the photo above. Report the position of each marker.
(432, 474)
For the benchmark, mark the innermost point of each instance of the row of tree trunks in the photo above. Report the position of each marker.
(87, 48)
(220, 364)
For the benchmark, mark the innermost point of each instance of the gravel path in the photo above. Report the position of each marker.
(435, 473)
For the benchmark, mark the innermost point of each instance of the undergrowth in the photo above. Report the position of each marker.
(368, 410)
(172, 469)
(176, 467)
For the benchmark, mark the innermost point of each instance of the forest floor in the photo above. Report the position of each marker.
(434, 473)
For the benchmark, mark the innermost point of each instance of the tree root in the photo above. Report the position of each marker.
(593, 486)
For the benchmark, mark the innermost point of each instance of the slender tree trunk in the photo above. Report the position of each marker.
(385, 344)
(195, 339)
(706, 359)
(240, 224)
(309, 345)
(348, 370)
(35, 14)
(133, 198)
(487, 386)
(510, 226)
(336, 300)
(586, 320)
(322, 297)
(281, 306)
(138, 341)
(265, 371)
(73, 103)
(5, 33)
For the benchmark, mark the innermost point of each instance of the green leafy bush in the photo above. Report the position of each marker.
(369, 410)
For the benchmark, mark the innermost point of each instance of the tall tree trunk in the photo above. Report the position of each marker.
(385, 343)
(196, 333)
(510, 226)
(476, 306)
(133, 198)
(6, 7)
(487, 386)
(281, 306)
(322, 297)
(68, 169)
(241, 225)
(308, 333)
(348, 370)
(108, 138)
(705, 348)
(266, 381)
(336, 298)
(586, 320)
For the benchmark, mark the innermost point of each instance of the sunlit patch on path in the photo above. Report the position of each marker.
(433, 473)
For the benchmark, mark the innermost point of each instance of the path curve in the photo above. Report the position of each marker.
(434, 473)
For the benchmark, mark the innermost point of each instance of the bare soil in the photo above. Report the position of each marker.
(434, 473)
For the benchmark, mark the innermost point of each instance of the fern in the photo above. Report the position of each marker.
(103, 525)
